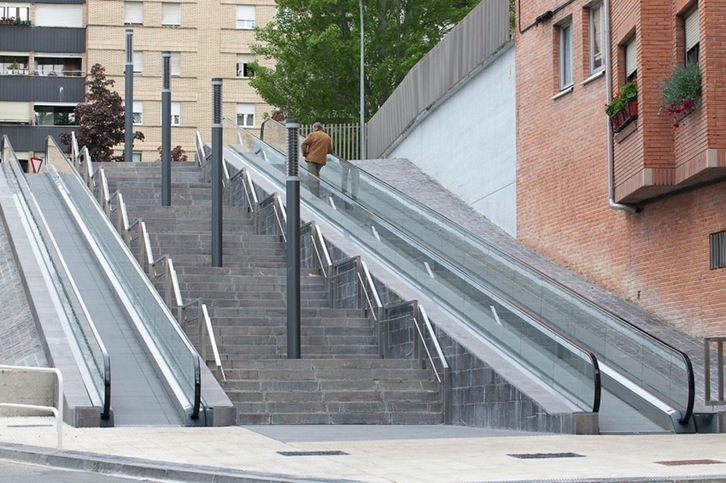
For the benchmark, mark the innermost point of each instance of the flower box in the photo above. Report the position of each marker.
(627, 114)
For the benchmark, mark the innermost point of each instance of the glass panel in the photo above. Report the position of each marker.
(495, 293)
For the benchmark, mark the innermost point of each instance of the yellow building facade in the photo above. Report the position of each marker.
(207, 39)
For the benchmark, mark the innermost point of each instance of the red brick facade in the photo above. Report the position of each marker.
(658, 258)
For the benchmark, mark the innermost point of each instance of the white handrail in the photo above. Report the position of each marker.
(212, 339)
(57, 412)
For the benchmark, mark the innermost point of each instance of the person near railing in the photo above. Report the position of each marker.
(315, 149)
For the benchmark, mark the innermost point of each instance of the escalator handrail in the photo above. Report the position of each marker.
(593, 358)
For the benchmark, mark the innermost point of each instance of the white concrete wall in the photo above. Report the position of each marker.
(467, 144)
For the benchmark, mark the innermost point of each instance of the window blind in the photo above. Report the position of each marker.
(691, 27)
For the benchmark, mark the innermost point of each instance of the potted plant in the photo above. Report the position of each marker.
(681, 92)
(14, 68)
(623, 108)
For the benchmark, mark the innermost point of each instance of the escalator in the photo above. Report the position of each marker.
(135, 363)
(647, 384)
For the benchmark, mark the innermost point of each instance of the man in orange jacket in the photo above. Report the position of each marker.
(315, 149)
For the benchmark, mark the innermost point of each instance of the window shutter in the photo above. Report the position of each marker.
(175, 63)
(245, 16)
(134, 12)
(49, 15)
(691, 27)
(170, 14)
(631, 58)
(15, 112)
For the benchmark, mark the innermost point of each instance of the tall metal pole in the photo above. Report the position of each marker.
(166, 131)
(129, 101)
(362, 90)
(293, 240)
(217, 172)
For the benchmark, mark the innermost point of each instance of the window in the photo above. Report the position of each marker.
(245, 17)
(49, 15)
(596, 43)
(63, 66)
(175, 64)
(136, 156)
(243, 67)
(20, 13)
(718, 250)
(631, 61)
(133, 13)
(246, 115)
(171, 14)
(138, 112)
(176, 113)
(55, 115)
(565, 55)
(691, 37)
(138, 61)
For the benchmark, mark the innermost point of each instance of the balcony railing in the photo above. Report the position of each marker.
(43, 73)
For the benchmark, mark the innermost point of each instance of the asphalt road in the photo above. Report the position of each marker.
(11, 471)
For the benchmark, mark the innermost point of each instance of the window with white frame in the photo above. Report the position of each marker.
(631, 60)
(175, 64)
(176, 113)
(54, 15)
(565, 29)
(245, 17)
(691, 37)
(243, 65)
(133, 13)
(17, 13)
(138, 112)
(171, 14)
(138, 61)
(596, 36)
(246, 115)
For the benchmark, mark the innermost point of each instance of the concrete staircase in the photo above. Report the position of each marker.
(341, 378)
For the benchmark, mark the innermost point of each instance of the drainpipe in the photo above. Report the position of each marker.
(608, 98)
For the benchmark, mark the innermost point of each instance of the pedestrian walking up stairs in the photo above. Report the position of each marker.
(341, 379)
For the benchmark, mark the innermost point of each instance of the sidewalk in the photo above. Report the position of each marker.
(363, 453)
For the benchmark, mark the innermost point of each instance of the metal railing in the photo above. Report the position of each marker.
(56, 410)
(708, 343)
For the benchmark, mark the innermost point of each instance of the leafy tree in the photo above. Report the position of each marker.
(316, 48)
(100, 118)
(177, 153)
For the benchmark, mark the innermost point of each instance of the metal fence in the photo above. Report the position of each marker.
(345, 137)
(468, 47)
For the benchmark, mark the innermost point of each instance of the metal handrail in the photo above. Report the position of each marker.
(434, 341)
(321, 248)
(707, 342)
(280, 215)
(206, 331)
(57, 411)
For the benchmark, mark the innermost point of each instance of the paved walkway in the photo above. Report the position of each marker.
(363, 453)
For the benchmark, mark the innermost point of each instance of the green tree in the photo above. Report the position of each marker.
(315, 45)
(100, 118)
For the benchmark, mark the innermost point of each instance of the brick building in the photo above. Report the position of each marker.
(633, 203)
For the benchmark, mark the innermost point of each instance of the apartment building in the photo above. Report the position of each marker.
(42, 52)
(207, 39)
(46, 49)
(635, 201)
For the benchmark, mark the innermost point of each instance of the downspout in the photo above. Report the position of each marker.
(608, 98)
